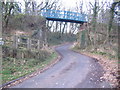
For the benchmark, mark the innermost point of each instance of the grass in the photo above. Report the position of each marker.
(106, 54)
(14, 69)
(110, 56)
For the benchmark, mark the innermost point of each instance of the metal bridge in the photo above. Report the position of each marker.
(65, 16)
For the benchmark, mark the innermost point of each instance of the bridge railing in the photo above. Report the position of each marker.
(58, 14)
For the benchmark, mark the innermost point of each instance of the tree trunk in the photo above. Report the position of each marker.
(110, 22)
(94, 26)
(63, 30)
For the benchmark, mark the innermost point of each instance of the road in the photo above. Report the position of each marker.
(72, 71)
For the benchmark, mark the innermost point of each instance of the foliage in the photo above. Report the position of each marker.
(23, 53)
(54, 38)
(26, 22)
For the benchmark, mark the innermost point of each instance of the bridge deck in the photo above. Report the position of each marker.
(66, 16)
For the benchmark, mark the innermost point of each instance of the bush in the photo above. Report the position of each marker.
(26, 22)
(24, 53)
(55, 38)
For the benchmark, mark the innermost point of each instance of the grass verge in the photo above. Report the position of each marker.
(15, 68)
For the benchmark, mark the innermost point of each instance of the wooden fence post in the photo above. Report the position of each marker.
(28, 43)
(38, 44)
(15, 42)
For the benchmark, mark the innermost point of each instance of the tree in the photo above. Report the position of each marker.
(95, 8)
(8, 9)
(112, 11)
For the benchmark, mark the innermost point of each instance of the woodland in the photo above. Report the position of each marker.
(28, 36)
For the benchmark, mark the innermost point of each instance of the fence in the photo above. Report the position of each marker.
(19, 42)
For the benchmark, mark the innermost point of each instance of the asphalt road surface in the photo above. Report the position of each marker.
(72, 71)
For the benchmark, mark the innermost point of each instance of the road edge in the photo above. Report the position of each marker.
(97, 60)
(21, 79)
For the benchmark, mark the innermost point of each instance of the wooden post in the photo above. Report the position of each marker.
(41, 44)
(28, 43)
(38, 44)
(15, 42)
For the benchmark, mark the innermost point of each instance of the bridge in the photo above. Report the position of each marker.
(65, 16)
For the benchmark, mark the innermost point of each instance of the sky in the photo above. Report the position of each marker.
(71, 4)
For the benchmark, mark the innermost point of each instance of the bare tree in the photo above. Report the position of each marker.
(8, 9)
(95, 8)
(79, 6)
(112, 11)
